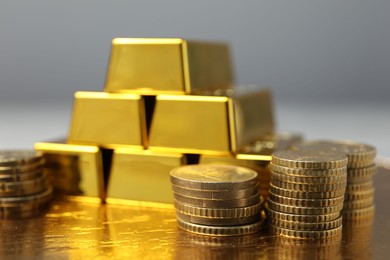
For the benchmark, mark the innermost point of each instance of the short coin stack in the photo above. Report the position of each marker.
(24, 189)
(217, 200)
(307, 193)
(359, 195)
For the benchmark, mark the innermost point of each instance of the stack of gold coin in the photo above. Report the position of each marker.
(63, 173)
(359, 195)
(24, 189)
(307, 193)
(217, 200)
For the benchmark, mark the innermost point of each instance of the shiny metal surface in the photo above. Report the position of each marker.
(73, 169)
(108, 120)
(216, 125)
(163, 65)
(80, 229)
(142, 175)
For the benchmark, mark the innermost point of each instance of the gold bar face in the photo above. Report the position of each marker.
(211, 124)
(74, 169)
(108, 120)
(253, 115)
(142, 175)
(191, 124)
(170, 66)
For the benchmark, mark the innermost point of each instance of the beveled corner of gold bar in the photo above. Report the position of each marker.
(142, 175)
(211, 124)
(108, 120)
(167, 65)
(191, 124)
(74, 169)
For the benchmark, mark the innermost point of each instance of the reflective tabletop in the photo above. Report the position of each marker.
(75, 227)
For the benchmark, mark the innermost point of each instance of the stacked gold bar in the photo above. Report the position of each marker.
(167, 103)
(307, 194)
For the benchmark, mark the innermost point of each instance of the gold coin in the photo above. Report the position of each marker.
(17, 177)
(359, 213)
(359, 186)
(308, 187)
(358, 204)
(216, 195)
(208, 203)
(214, 177)
(220, 231)
(19, 157)
(359, 195)
(306, 202)
(25, 203)
(306, 234)
(218, 212)
(357, 153)
(309, 180)
(22, 188)
(306, 194)
(17, 169)
(301, 218)
(361, 174)
(218, 221)
(302, 172)
(294, 225)
(303, 210)
(309, 159)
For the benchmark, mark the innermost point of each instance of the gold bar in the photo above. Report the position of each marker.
(108, 120)
(142, 175)
(253, 115)
(170, 66)
(210, 124)
(74, 169)
(268, 144)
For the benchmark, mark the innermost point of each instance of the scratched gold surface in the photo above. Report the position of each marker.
(82, 229)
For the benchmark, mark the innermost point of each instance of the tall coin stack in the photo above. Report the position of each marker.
(307, 193)
(218, 200)
(24, 189)
(359, 195)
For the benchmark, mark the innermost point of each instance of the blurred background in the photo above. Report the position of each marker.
(327, 62)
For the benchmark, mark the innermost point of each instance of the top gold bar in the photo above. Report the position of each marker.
(167, 66)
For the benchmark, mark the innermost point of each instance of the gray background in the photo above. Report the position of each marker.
(327, 62)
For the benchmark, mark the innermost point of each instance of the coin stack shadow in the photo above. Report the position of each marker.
(217, 200)
(24, 189)
(307, 193)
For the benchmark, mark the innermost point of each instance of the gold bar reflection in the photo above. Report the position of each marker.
(142, 175)
(175, 66)
(210, 124)
(74, 169)
(108, 120)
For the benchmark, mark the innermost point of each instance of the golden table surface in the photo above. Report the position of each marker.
(80, 229)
